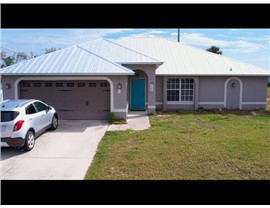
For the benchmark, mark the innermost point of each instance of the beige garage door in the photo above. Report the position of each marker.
(71, 99)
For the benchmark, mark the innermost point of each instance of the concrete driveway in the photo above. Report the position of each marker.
(62, 154)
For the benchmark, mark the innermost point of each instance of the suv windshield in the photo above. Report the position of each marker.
(8, 115)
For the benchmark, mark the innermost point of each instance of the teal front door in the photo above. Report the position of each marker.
(137, 94)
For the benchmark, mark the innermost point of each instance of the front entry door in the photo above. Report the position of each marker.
(137, 94)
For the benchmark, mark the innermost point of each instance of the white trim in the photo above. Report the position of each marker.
(151, 107)
(210, 103)
(64, 74)
(210, 75)
(66, 78)
(144, 63)
(253, 103)
(179, 103)
(119, 110)
(225, 91)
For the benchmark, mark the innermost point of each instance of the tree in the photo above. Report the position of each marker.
(50, 50)
(20, 56)
(214, 49)
(6, 60)
(12, 59)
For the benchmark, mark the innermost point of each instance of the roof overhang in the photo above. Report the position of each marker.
(216, 75)
(68, 74)
(141, 63)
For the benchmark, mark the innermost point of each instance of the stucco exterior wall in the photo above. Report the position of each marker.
(159, 89)
(151, 80)
(254, 89)
(212, 92)
(209, 92)
(211, 89)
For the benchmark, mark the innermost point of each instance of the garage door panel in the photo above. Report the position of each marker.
(71, 99)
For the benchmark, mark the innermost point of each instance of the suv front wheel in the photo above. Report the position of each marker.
(29, 141)
(54, 123)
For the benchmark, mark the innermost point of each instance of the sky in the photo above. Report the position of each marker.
(247, 45)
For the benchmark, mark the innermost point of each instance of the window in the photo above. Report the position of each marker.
(173, 90)
(103, 84)
(70, 84)
(40, 106)
(187, 86)
(92, 84)
(37, 84)
(30, 109)
(7, 116)
(181, 90)
(81, 84)
(26, 84)
(59, 84)
(48, 84)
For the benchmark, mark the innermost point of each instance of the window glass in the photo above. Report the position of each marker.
(173, 90)
(187, 88)
(81, 84)
(8, 115)
(92, 84)
(30, 109)
(37, 84)
(70, 84)
(103, 84)
(180, 90)
(59, 84)
(40, 106)
(26, 84)
(48, 84)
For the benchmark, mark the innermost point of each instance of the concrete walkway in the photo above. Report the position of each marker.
(136, 120)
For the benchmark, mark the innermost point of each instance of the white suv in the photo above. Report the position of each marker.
(23, 120)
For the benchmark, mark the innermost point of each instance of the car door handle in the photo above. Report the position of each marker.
(30, 119)
(42, 115)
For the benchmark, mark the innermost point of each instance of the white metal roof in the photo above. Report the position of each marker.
(181, 59)
(101, 56)
(73, 60)
(117, 53)
(97, 57)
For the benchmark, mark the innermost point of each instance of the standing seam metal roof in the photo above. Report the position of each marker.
(93, 58)
(181, 59)
(101, 56)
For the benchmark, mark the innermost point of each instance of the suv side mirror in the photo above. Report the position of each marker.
(48, 108)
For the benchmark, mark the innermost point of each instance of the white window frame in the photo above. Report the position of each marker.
(179, 102)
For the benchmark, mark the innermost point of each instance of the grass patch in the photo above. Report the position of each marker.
(268, 98)
(115, 120)
(188, 145)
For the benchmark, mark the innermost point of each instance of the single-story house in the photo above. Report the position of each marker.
(90, 80)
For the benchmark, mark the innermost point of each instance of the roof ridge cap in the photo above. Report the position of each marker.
(132, 50)
(118, 65)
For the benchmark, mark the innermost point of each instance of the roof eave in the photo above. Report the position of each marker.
(243, 75)
(144, 63)
(66, 74)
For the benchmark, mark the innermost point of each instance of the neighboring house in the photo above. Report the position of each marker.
(88, 81)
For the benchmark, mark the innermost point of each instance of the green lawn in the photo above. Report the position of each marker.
(188, 145)
(268, 98)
